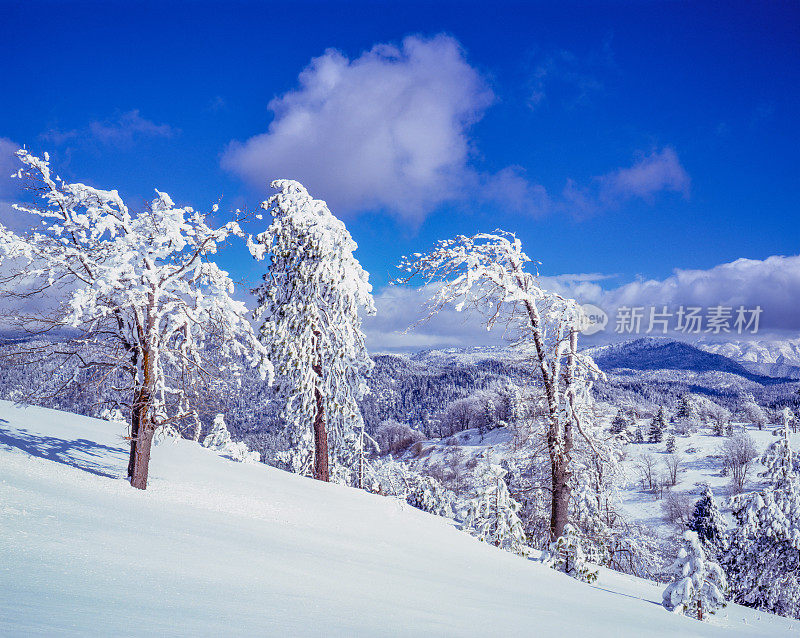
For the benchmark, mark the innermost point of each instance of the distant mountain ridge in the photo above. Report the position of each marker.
(657, 353)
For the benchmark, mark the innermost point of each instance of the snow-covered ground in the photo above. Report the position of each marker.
(215, 547)
(701, 465)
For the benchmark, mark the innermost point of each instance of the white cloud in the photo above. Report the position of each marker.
(390, 130)
(659, 171)
(387, 130)
(772, 283)
(120, 130)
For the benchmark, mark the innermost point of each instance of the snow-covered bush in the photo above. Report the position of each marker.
(219, 440)
(700, 586)
(566, 555)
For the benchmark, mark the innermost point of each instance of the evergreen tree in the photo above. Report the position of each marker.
(686, 408)
(619, 423)
(763, 559)
(493, 514)
(707, 522)
(658, 426)
(309, 303)
(672, 444)
(700, 586)
(566, 555)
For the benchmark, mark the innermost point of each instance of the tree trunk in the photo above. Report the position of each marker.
(321, 472)
(135, 412)
(142, 456)
(142, 431)
(559, 511)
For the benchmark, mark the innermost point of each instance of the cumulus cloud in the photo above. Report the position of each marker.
(120, 130)
(391, 131)
(772, 283)
(387, 130)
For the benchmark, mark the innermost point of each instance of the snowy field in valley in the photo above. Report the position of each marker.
(215, 547)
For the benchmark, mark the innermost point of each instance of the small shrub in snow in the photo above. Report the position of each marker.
(219, 440)
(566, 555)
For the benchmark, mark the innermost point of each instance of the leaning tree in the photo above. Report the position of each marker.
(309, 307)
(486, 273)
(129, 292)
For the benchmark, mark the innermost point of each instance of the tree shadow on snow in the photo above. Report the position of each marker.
(82, 454)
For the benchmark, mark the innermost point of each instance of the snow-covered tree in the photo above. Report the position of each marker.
(763, 558)
(566, 555)
(129, 292)
(707, 522)
(658, 426)
(764, 554)
(780, 461)
(700, 586)
(486, 272)
(308, 305)
(753, 412)
(428, 495)
(619, 423)
(686, 408)
(219, 440)
(493, 514)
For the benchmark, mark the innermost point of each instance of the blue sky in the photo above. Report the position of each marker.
(620, 138)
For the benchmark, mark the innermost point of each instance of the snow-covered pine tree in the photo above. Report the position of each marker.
(492, 516)
(686, 408)
(309, 305)
(566, 555)
(780, 461)
(763, 558)
(700, 586)
(672, 444)
(486, 272)
(136, 292)
(707, 522)
(658, 426)
(619, 423)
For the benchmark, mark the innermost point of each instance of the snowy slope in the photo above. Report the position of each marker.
(219, 548)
